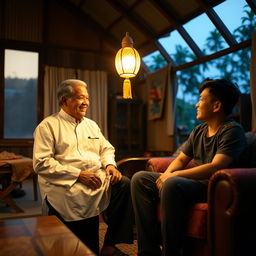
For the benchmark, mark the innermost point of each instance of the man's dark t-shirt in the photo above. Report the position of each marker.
(229, 140)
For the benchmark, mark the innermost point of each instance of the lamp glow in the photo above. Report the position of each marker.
(127, 62)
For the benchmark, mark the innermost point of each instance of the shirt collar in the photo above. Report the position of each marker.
(68, 117)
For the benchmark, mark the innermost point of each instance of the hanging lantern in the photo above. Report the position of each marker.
(127, 63)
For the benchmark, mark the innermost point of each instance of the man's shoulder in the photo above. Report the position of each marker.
(52, 119)
(232, 124)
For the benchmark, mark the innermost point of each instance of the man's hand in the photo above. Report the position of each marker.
(163, 177)
(90, 179)
(116, 175)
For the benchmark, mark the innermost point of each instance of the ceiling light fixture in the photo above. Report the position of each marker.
(127, 63)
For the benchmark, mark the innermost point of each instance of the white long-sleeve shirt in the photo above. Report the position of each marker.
(62, 148)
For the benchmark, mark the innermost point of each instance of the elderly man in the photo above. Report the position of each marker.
(77, 172)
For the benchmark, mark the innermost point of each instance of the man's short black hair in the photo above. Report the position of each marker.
(224, 91)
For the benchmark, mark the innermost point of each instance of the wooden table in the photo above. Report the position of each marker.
(19, 170)
(44, 236)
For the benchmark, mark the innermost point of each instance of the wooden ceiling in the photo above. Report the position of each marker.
(148, 20)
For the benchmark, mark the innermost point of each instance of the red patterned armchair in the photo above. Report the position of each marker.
(226, 224)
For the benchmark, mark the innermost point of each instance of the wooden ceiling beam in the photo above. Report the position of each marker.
(78, 12)
(216, 55)
(221, 27)
(252, 4)
(141, 26)
(164, 8)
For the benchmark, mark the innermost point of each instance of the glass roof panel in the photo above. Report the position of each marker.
(154, 61)
(173, 44)
(234, 14)
(204, 33)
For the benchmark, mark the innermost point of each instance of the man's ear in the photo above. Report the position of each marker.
(63, 100)
(217, 106)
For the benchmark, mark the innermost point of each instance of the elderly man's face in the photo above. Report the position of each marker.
(78, 104)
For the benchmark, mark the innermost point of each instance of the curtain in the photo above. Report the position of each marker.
(253, 80)
(171, 102)
(53, 76)
(98, 92)
(97, 88)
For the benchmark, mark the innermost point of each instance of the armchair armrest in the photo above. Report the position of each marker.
(158, 164)
(232, 211)
(129, 166)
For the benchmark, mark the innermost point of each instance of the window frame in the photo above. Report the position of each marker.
(20, 46)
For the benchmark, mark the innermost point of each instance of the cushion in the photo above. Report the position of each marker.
(197, 221)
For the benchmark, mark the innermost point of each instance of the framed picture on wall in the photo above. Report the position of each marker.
(156, 84)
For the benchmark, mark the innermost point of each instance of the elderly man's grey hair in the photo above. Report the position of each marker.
(66, 89)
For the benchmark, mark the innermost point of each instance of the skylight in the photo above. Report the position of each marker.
(201, 29)
(154, 61)
(232, 12)
(172, 44)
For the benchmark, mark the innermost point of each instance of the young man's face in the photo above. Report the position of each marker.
(206, 106)
(78, 104)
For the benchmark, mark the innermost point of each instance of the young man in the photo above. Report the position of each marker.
(215, 144)
(77, 173)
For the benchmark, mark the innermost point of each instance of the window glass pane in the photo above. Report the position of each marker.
(234, 66)
(237, 14)
(201, 34)
(20, 93)
(154, 61)
(175, 45)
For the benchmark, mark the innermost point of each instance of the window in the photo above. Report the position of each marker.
(177, 48)
(233, 66)
(154, 61)
(244, 22)
(20, 93)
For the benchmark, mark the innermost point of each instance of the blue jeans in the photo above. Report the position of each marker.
(176, 197)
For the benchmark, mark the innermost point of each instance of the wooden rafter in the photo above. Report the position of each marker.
(141, 26)
(252, 4)
(216, 55)
(78, 12)
(213, 16)
(165, 10)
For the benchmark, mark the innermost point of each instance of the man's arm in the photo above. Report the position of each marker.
(204, 171)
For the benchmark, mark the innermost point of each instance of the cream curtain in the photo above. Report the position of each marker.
(53, 76)
(172, 89)
(253, 80)
(97, 88)
(98, 91)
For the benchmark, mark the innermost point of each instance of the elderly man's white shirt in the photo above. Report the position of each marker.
(62, 148)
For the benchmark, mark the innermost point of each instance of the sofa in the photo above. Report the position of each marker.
(226, 224)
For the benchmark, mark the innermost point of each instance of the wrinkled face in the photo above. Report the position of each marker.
(78, 104)
(206, 106)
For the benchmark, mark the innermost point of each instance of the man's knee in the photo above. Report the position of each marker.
(138, 178)
(122, 185)
(173, 185)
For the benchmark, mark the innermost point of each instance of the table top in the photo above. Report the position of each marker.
(44, 236)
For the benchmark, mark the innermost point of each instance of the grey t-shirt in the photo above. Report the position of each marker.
(229, 140)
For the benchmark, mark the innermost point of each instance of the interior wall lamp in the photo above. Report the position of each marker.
(127, 63)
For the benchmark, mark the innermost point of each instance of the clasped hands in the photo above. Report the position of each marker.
(93, 180)
(163, 177)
